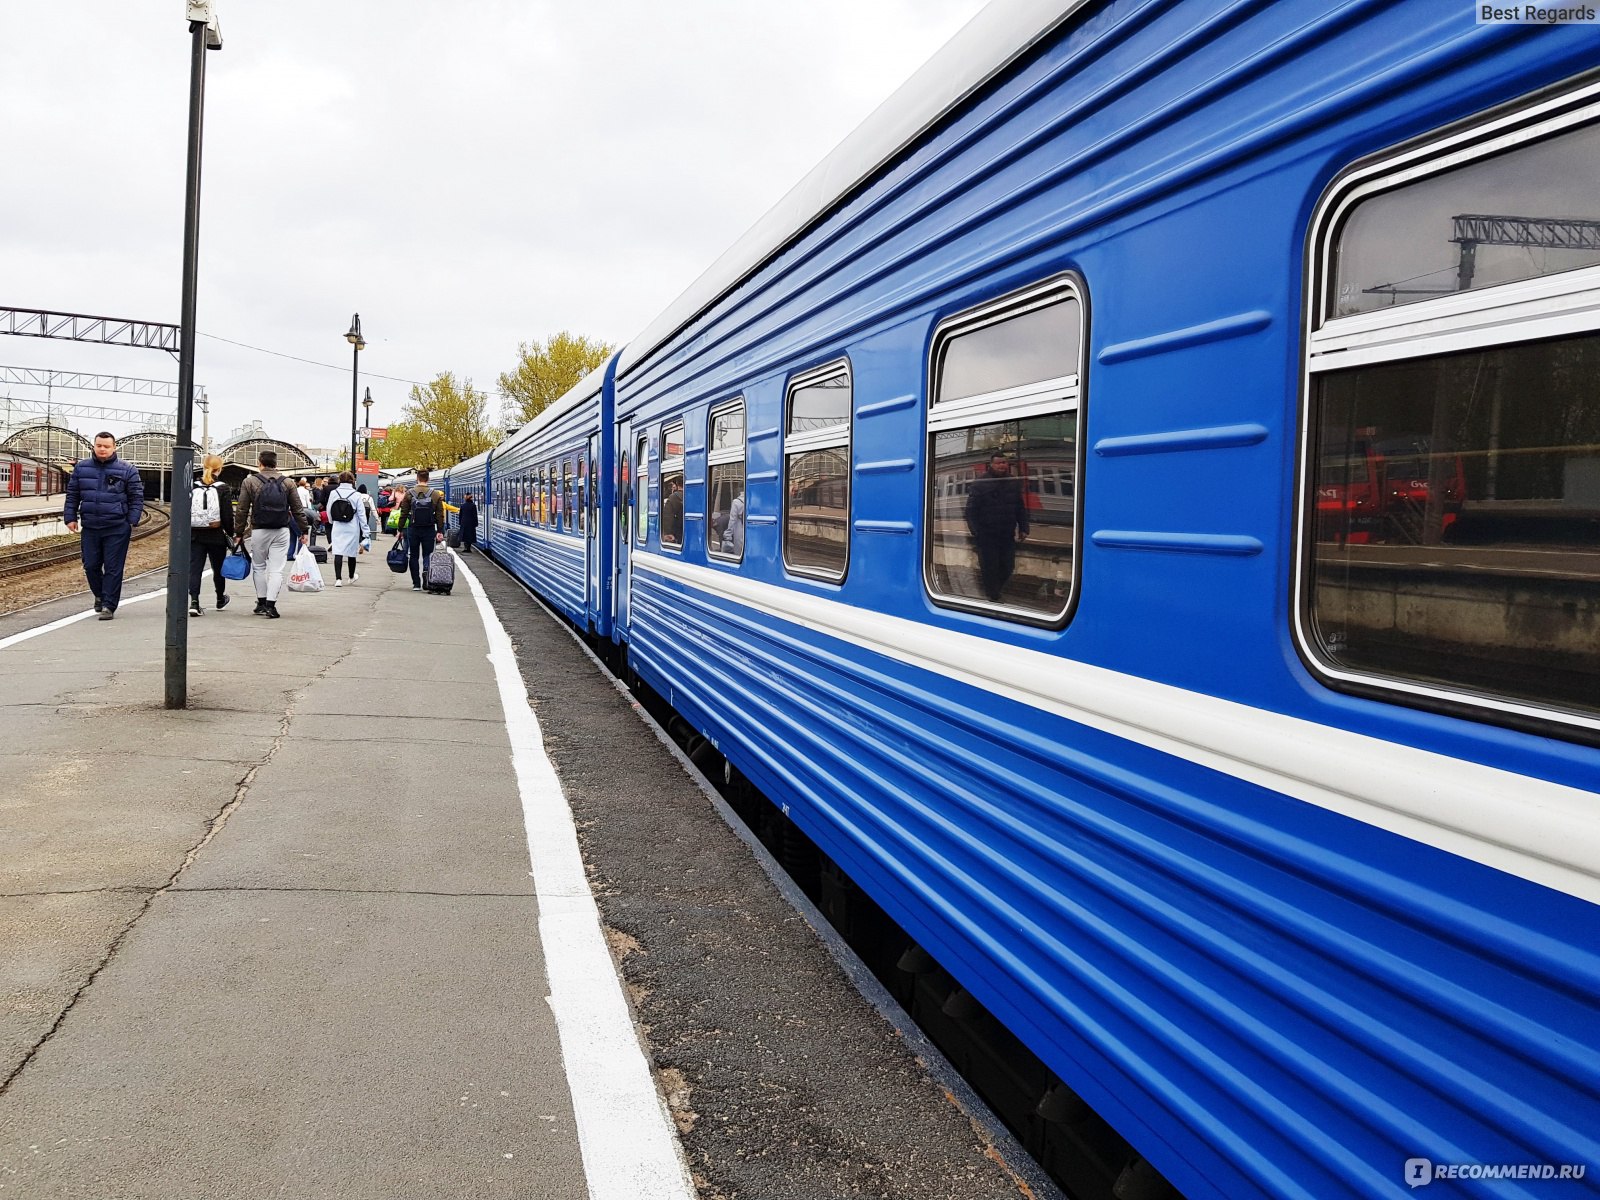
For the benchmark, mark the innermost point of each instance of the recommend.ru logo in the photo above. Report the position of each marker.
(1419, 1172)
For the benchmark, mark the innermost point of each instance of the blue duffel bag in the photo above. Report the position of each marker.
(236, 566)
(398, 559)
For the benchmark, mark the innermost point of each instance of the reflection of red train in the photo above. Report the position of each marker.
(1380, 491)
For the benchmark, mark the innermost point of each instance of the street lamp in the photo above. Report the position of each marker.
(355, 339)
(205, 33)
(366, 423)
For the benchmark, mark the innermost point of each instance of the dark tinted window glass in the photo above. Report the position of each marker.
(1003, 513)
(817, 516)
(1029, 347)
(1527, 212)
(820, 405)
(1457, 520)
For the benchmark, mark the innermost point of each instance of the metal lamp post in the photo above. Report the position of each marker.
(206, 34)
(355, 339)
(366, 423)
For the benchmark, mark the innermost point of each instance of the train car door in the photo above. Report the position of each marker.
(587, 487)
(624, 529)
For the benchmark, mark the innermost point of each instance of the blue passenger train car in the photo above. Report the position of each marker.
(1136, 507)
(546, 486)
(470, 478)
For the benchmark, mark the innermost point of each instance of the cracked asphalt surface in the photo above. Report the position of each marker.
(286, 940)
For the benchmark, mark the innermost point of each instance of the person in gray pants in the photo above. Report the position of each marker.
(271, 508)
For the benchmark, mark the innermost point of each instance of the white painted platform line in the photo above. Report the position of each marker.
(72, 620)
(629, 1143)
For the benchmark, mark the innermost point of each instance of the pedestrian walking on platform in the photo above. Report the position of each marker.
(347, 521)
(210, 532)
(371, 518)
(421, 519)
(105, 499)
(469, 523)
(272, 509)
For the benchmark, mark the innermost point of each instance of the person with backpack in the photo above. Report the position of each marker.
(271, 506)
(421, 519)
(210, 532)
(347, 520)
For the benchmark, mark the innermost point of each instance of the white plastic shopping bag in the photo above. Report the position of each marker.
(304, 574)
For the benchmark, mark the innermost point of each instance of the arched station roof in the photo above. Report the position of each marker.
(290, 457)
(49, 443)
(150, 449)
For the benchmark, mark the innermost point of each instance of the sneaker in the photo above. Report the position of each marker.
(107, 613)
(261, 605)
(416, 587)
(338, 583)
(99, 604)
(195, 610)
(271, 610)
(222, 601)
(354, 577)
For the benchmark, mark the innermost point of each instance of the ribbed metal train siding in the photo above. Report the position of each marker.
(1268, 999)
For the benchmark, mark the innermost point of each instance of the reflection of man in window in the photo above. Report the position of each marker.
(997, 517)
(672, 513)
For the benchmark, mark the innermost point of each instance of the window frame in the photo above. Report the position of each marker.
(1059, 396)
(641, 489)
(717, 458)
(1498, 315)
(811, 440)
(668, 466)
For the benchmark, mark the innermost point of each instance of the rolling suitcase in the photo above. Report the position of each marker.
(441, 572)
(319, 553)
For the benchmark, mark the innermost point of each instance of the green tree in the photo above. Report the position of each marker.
(440, 425)
(545, 371)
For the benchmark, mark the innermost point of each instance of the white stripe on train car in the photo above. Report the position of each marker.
(1541, 831)
(630, 1147)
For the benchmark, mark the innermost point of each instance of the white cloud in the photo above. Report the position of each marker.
(466, 176)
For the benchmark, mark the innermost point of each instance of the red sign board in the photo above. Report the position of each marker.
(367, 466)
(379, 432)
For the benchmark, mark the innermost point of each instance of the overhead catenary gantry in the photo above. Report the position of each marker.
(82, 327)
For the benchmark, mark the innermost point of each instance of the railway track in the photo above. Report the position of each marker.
(28, 559)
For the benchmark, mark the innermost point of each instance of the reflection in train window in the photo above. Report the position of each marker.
(1001, 520)
(725, 454)
(670, 496)
(1451, 519)
(641, 482)
(816, 473)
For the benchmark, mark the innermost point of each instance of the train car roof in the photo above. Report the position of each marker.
(982, 48)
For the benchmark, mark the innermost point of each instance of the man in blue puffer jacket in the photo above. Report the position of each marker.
(105, 496)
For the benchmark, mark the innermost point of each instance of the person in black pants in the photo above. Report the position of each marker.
(421, 518)
(210, 532)
(469, 523)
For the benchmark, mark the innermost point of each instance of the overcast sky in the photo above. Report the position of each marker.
(464, 175)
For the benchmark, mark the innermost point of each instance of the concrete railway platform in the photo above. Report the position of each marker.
(412, 901)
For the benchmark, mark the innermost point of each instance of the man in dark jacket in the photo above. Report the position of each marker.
(469, 523)
(997, 518)
(105, 499)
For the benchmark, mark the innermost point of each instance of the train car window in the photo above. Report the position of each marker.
(1003, 433)
(1450, 510)
(670, 495)
(580, 495)
(641, 480)
(624, 494)
(725, 455)
(816, 473)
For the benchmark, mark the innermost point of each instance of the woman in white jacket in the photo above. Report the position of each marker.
(347, 516)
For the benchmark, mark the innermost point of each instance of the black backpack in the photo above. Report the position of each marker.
(271, 508)
(341, 509)
(422, 507)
